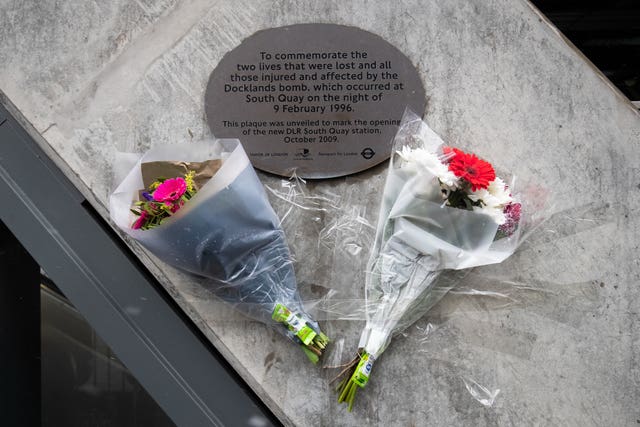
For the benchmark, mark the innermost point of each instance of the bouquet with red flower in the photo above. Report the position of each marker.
(203, 209)
(442, 209)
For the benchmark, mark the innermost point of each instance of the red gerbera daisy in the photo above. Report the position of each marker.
(475, 171)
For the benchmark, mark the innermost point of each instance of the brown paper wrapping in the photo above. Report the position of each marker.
(152, 171)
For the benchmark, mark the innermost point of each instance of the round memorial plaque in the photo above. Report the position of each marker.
(322, 100)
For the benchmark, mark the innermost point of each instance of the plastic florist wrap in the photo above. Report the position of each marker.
(201, 207)
(442, 209)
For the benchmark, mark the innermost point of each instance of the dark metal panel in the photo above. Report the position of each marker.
(109, 288)
(608, 33)
(19, 333)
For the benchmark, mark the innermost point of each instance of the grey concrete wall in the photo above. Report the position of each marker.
(560, 337)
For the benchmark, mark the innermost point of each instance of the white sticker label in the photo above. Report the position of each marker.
(295, 322)
(366, 368)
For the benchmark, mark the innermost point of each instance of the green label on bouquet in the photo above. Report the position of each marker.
(322, 100)
(280, 313)
(306, 334)
(363, 370)
(296, 323)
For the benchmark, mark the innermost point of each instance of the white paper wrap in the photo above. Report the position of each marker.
(227, 232)
(417, 238)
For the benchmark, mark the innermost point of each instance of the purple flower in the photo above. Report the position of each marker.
(512, 212)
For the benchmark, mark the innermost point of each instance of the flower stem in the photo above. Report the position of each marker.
(354, 376)
(310, 337)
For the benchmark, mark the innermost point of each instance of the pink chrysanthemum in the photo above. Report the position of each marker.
(176, 207)
(140, 221)
(170, 190)
(512, 213)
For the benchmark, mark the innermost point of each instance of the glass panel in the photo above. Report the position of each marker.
(83, 382)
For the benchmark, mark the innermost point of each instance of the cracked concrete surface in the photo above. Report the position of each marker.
(555, 328)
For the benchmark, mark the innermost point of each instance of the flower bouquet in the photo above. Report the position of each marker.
(442, 209)
(201, 207)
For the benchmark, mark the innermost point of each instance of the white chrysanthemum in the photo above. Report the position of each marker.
(494, 199)
(496, 213)
(498, 189)
(494, 196)
(423, 159)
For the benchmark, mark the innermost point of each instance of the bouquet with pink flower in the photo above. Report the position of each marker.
(442, 209)
(203, 209)
(163, 198)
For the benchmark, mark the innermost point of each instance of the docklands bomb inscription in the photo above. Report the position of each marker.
(323, 100)
(311, 83)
